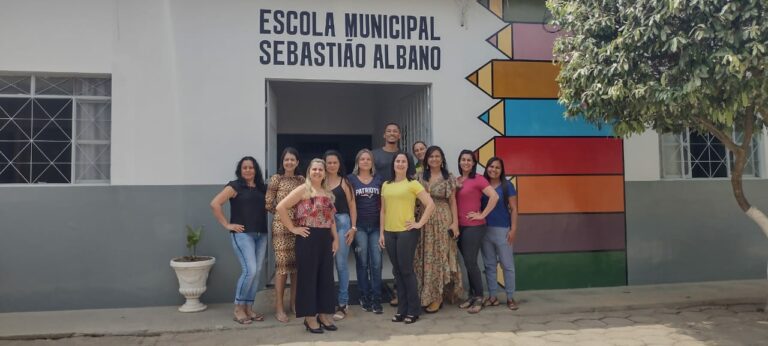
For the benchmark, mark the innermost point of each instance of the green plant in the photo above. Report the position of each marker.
(669, 65)
(193, 237)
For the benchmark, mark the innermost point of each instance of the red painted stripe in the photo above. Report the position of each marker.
(549, 156)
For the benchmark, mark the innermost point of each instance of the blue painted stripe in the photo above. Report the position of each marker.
(545, 118)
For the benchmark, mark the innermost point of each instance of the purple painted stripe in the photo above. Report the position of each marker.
(532, 42)
(570, 232)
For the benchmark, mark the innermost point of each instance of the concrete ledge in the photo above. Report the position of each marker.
(166, 319)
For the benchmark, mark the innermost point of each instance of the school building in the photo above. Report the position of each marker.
(120, 120)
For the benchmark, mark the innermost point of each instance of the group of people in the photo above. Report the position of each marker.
(417, 212)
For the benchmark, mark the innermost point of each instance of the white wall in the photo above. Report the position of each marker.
(221, 82)
(641, 157)
(189, 90)
(74, 36)
(147, 127)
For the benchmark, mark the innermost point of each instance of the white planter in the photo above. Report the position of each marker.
(192, 278)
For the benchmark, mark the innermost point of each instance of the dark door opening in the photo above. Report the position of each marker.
(314, 146)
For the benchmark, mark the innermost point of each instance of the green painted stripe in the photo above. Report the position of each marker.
(530, 11)
(570, 270)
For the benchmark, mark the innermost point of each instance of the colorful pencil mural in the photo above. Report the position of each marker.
(569, 173)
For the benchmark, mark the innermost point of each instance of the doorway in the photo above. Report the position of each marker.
(315, 116)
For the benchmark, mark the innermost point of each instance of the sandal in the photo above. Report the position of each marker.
(256, 317)
(398, 318)
(512, 304)
(410, 319)
(476, 306)
(429, 311)
(282, 317)
(244, 320)
(467, 303)
(490, 301)
(341, 312)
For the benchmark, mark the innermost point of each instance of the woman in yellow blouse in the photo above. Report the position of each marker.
(400, 233)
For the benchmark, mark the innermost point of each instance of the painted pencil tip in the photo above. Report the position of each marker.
(486, 151)
(495, 6)
(502, 40)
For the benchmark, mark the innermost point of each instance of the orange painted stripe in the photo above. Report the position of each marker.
(524, 79)
(570, 194)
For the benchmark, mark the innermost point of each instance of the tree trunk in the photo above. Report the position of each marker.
(740, 153)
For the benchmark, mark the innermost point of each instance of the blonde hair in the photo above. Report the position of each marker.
(356, 170)
(310, 191)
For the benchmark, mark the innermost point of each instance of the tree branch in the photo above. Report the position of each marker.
(763, 116)
(725, 139)
(749, 128)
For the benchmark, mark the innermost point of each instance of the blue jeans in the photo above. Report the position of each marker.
(342, 227)
(368, 262)
(250, 248)
(496, 249)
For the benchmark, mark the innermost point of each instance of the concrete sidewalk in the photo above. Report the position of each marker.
(166, 319)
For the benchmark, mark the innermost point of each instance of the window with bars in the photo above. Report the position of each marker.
(694, 155)
(55, 129)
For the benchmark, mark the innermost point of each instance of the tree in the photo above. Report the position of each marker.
(668, 65)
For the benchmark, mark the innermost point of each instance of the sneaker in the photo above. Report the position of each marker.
(341, 312)
(366, 305)
(512, 304)
(377, 309)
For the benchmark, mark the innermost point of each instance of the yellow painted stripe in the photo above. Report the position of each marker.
(524, 79)
(504, 41)
(485, 78)
(496, 6)
(485, 152)
(496, 117)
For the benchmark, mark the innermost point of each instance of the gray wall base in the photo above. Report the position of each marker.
(82, 247)
(683, 231)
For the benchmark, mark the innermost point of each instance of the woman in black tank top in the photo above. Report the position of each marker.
(346, 221)
(247, 228)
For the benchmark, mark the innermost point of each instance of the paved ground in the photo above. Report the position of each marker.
(719, 313)
(699, 325)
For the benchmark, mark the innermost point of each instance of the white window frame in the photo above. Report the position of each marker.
(75, 98)
(686, 163)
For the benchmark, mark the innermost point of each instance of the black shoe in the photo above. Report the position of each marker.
(366, 305)
(318, 330)
(377, 308)
(408, 319)
(398, 318)
(331, 327)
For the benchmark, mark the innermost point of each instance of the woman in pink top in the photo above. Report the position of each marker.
(317, 241)
(470, 189)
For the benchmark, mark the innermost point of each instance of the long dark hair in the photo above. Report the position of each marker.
(502, 176)
(473, 170)
(392, 166)
(427, 171)
(295, 153)
(258, 179)
(342, 170)
(413, 146)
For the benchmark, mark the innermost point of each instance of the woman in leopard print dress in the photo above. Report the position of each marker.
(280, 185)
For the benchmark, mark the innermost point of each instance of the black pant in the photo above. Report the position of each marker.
(470, 241)
(401, 247)
(315, 292)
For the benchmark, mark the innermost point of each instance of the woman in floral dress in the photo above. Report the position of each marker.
(280, 185)
(436, 261)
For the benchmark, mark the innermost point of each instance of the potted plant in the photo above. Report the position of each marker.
(192, 272)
